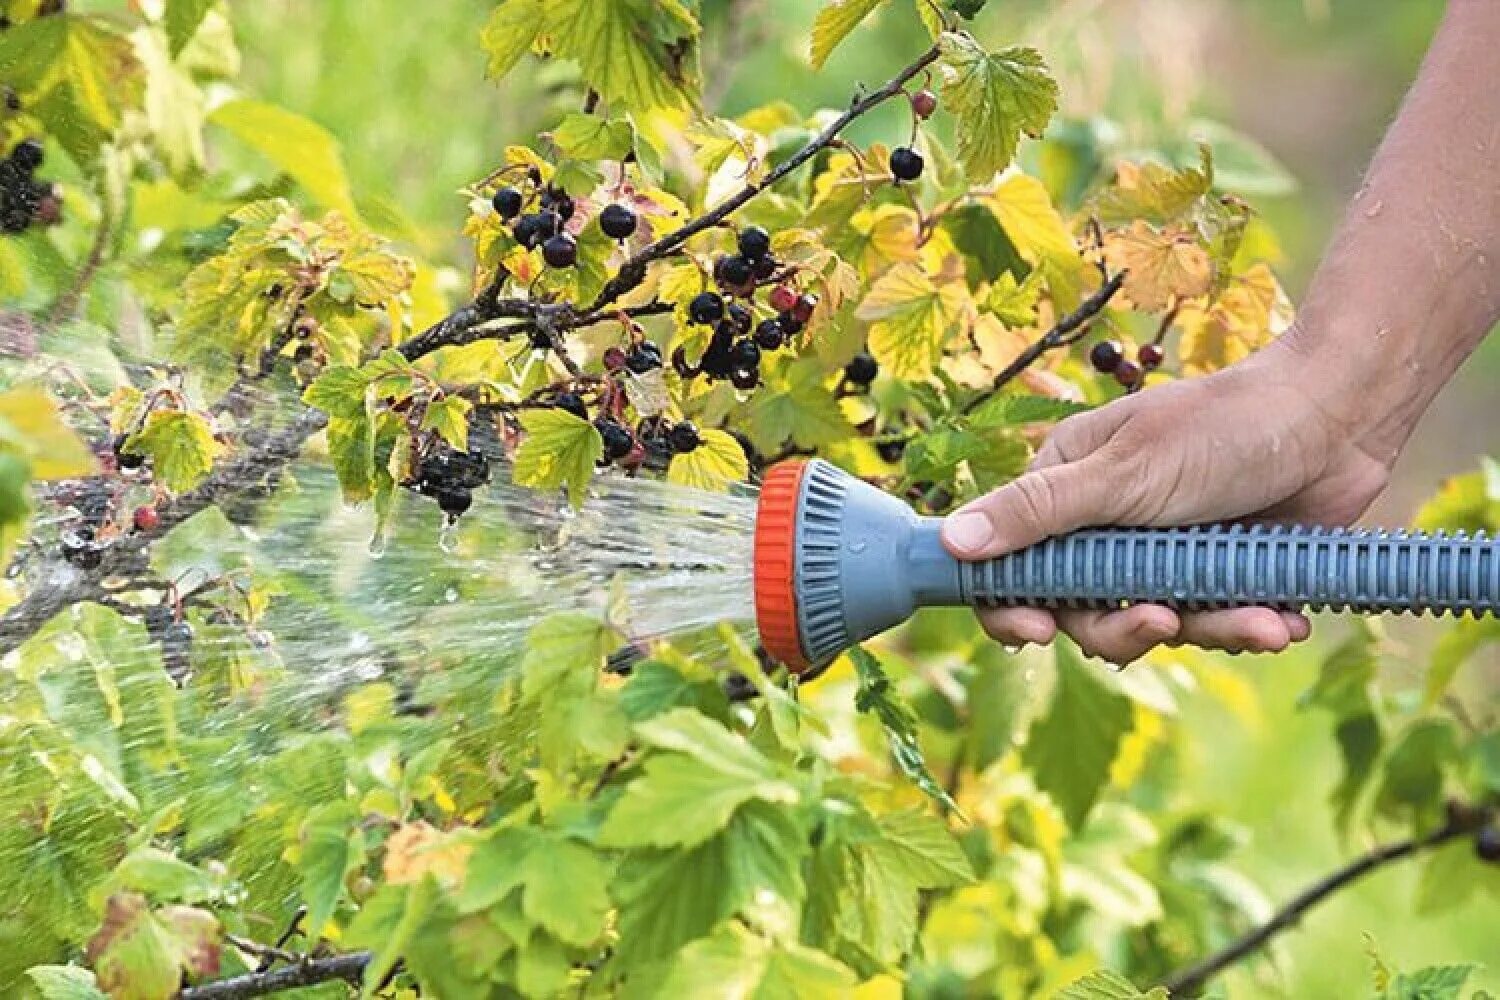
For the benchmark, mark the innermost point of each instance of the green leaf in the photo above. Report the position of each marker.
(654, 687)
(1412, 777)
(733, 963)
(161, 876)
(79, 62)
(879, 697)
(1106, 985)
(1071, 747)
(1006, 410)
(834, 23)
(182, 20)
(449, 417)
(997, 97)
(1454, 648)
(565, 891)
(65, 982)
(299, 147)
(922, 850)
(181, 447)
(332, 847)
(386, 923)
(638, 54)
(1436, 982)
(510, 32)
(174, 107)
(795, 404)
(593, 137)
(560, 450)
(967, 9)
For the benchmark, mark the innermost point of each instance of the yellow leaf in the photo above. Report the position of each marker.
(881, 237)
(1163, 266)
(419, 849)
(31, 424)
(559, 450)
(1249, 314)
(834, 23)
(1152, 192)
(912, 316)
(716, 464)
(1026, 213)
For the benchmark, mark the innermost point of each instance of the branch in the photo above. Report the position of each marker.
(1059, 336)
(349, 968)
(66, 306)
(1194, 977)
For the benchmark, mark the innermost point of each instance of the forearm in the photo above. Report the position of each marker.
(1411, 282)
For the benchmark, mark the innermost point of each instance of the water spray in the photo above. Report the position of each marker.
(838, 561)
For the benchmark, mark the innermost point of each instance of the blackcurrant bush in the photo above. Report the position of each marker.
(644, 357)
(862, 369)
(783, 298)
(807, 303)
(617, 439)
(1127, 373)
(746, 355)
(549, 224)
(614, 359)
(560, 251)
(28, 155)
(684, 437)
(507, 202)
(540, 339)
(1106, 356)
(1487, 844)
(680, 364)
(706, 308)
(744, 378)
(906, 163)
(560, 202)
(768, 335)
(741, 317)
(1151, 356)
(618, 222)
(734, 272)
(754, 243)
(924, 103)
(571, 402)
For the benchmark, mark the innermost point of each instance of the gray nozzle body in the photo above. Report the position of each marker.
(865, 562)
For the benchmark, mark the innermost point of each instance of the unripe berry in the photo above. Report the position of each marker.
(1127, 373)
(803, 310)
(783, 298)
(507, 202)
(146, 518)
(906, 163)
(614, 359)
(1106, 356)
(618, 222)
(1151, 356)
(862, 369)
(924, 103)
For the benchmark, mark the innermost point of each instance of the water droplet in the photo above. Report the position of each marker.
(1374, 209)
(858, 546)
(448, 537)
(450, 595)
(377, 545)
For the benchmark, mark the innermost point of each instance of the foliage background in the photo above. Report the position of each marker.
(1315, 80)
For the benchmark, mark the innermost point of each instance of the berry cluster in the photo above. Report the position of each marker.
(450, 477)
(24, 200)
(544, 227)
(1108, 358)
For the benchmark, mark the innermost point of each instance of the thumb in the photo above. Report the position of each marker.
(1038, 505)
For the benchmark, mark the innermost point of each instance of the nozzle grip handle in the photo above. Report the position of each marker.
(1227, 567)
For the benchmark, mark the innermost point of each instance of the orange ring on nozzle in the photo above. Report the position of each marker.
(776, 565)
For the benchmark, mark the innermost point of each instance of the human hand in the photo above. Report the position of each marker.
(1258, 441)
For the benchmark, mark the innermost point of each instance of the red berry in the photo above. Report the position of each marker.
(1151, 356)
(924, 103)
(1106, 356)
(1127, 373)
(146, 518)
(803, 309)
(783, 298)
(614, 359)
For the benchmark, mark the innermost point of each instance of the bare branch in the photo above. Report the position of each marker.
(309, 972)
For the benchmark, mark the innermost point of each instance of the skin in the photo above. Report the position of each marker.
(1306, 429)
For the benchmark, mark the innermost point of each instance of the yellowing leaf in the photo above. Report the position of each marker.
(1249, 314)
(833, 24)
(559, 450)
(876, 239)
(31, 425)
(716, 464)
(449, 417)
(1151, 192)
(81, 57)
(1163, 266)
(418, 849)
(141, 955)
(637, 55)
(997, 97)
(912, 317)
(1026, 213)
(510, 32)
(1014, 303)
(593, 137)
(181, 447)
(299, 147)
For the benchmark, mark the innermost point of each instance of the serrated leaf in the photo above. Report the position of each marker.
(182, 19)
(565, 891)
(1013, 302)
(1163, 266)
(1071, 747)
(1243, 318)
(715, 465)
(64, 982)
(594, 137)
(1033, 224)
(912, 316)
(332, 847)
(795, 404)
(299, 147)
(181, 447)
(510, 33)
(560, 450)
(138, 954)
(174, 106)
(1106, 985)
(878, 697)
(81, 61)
(1010, 410)
(834, 23)
(1436, 982)
(732, 963)
(997, 97)
(449, 418)
(637, 55)
(1152, 192)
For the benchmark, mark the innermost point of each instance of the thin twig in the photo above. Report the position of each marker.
(1192, 978)
(307, 972)
(66, 306)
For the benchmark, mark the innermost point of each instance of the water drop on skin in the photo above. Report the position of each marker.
(1374, 209)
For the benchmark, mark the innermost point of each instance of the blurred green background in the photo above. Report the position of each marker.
(1315, 81)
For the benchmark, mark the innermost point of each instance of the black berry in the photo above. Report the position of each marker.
(764, 267)
(455, 501)
(528, 230)
(618, 441)
(862, 369)
(734, 272)
(28, 155)
(507, 202)
(768, 335)
(906, 163)
(740, 317)
(745, 378)
(891, 450)
(644, 357)
(1151, 356)
(746, 355)
(706, 308)
(1106, 356)
(790, 324)
(1487, 844)
(618, 222)
(754, 242)
(684, 437)
(560, 251)
(571, 402)
(80, 549)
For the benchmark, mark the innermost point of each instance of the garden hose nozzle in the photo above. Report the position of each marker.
(838, 561)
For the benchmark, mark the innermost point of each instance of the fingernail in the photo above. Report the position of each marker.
(968, 531)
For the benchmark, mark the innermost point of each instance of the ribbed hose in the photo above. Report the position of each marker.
(1225, 567)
